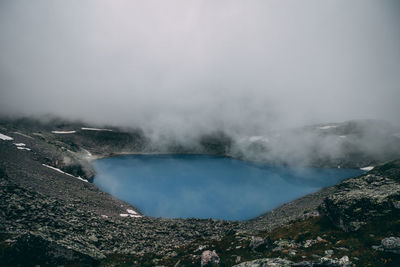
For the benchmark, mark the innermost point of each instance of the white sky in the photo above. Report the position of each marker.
(200, 65)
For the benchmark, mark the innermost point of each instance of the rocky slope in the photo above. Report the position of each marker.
(48, 230)
(50, 215)
(362, 199)
(358, 224)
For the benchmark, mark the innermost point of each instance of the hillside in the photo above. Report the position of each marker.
(50, 212)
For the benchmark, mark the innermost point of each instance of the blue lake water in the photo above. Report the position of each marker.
(202, 186)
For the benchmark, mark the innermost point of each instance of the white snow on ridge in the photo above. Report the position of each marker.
(80, 178)
(95, 129)
(5, 137)
(56, 169)
(327, 127)
(133, 214)
(63, 132)
(23, 148)
(131, 211)
(368, 168)
(19, 144)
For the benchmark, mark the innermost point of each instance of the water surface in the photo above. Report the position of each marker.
(205, 186)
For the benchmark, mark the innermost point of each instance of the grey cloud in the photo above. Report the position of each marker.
(184, 67)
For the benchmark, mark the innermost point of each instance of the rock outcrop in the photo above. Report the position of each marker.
(362, 199)
(49, 217)
(389, 244)
(279, 262)
(259, 244)
(209, 258)
(267, 262)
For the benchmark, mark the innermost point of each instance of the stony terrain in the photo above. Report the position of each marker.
(50, 213)
(35, 225)
(315, 238)
(364, 198)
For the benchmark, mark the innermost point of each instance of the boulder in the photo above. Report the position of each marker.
(266, 262)
(275, 262)
(209, 258)
(259, 244)
(389, 244)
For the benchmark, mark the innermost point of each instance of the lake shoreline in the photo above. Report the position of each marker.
(202, 174)
(86, 225)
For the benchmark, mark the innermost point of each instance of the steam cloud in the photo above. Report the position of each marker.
(189, 66)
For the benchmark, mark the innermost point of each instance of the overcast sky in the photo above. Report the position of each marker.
(195, 65)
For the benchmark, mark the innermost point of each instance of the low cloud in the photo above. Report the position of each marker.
(184, 67)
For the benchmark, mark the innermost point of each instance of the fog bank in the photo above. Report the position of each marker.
(184, 67)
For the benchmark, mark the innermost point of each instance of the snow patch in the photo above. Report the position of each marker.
(5, 137)
(327, 127)
(89, 155)
(368, 168)
(80, 178)
(19, 144)
(131, 211)
(23, 148)
(95, 129)
(56, 169)
(63, 132)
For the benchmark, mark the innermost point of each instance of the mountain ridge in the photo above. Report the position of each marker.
(49, 217)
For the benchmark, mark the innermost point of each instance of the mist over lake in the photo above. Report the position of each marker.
(202, 186)
(199, 133)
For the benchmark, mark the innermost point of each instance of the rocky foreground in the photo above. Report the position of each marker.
(50, 213)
